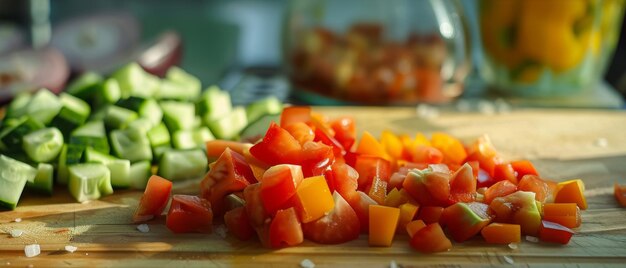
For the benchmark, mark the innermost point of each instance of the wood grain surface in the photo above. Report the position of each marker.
(562, 143)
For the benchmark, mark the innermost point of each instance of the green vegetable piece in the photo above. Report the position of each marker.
(70, 154)
(131, 144)
(229, 126)
(257, 109)
(89, 181)
(159, 135)
(119, 168)
(189, 139)
(214, 104)
(257, 129)
(85, 86)
(92, 134)
(118, 118)
(179, 85)
(43, 145)
(44, 106)
(140, 172)
(182, 164)
(13, 177)
(43, 181)
(18, 106)
(178, 115)
(73, 114)
(134, 81)
(11, 135)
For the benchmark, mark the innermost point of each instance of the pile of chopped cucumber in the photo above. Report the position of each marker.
(106, 133)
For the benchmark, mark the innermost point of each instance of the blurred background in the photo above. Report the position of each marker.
(561, 53)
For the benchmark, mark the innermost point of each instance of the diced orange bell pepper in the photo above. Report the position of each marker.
(378, 190)
(314, 199)
(571, 192)
(452, 149)
(566, 214)
(414, 226)
(524, 167)
(501, 233)
(368, 145)
(382, 225)
(408, 212)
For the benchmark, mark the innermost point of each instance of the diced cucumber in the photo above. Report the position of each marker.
(257, 129)
(13, 177)
(43, 145)
(42, 182)
(17, 107)
(143, 124)
(119, 168)
(192, 84)
(172, 90)
(85, 86)
(140, 172)
(134, 81)
(89, 181)
(70, 154)
(269, 105)
(229, 126)
(12, 134)
(159, 135)
(44, 106)
(92, 134)
(188, 139)
(158, 151)
(214, 103)
(74, 113)
(182, 164)
(99, 113)
(118, 118)
(178, 115)
(151, 110)
(131, 144)
(110, 92)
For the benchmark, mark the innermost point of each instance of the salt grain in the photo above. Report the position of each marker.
(32, 250)
(70, 249)
(393, 264)
(306, 263)
(16, 233)
(601, 142)
(144, 228)
(18, 220)
(508, 259)
(532, 239)
(513, 245)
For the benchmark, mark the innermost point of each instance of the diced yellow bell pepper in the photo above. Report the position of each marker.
(313, 199)
(571, 191)
(407, 214)
(452, 149)
(382, 225)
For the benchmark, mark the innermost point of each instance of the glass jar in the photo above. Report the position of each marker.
(539, 48)
(379, 52)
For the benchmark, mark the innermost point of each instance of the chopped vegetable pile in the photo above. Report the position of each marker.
(106, 133)
(309, 177)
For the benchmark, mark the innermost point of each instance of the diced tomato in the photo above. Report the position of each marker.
(501, 188)
(230, 173)
(430, 239)
(464, 220)
(554, 233)
(414, 226)
(342, 178)
(277, 147)
(619, 191)
(238, 224)
(256, 165)
(430, 214)
(279, 185)
(571, 191)
(504, 172)
(189, 213)
(428, 188)
(566, 214)
(316, 158)
(532, 183)
(345, 131)
(518, 208)
(361, 202)
(295, 114)
(501, 233)
(301, 132)
(368, 145)
(369, 167)
(324, 134)
(154, 199)
(339, 225)
(483, 151)
(254, 205)
(463, 185)
(313, 199)
(452, 149)
(383, 222)
(215, 148)
(285, 229)
(523, 168)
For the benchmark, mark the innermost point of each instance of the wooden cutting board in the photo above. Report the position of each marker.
(564, 144)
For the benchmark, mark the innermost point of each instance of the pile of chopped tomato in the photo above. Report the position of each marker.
(309, 177)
